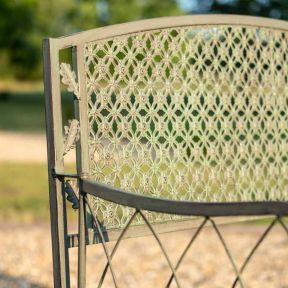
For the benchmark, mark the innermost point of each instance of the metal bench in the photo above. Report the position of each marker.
(174, 118)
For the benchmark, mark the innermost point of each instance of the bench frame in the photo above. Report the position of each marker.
(61, 241)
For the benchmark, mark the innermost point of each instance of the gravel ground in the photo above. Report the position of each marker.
(26, 259)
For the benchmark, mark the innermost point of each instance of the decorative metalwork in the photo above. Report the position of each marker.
(72, 190)
(72, 134)
(69, 79)
(195, 235)
(189, 113)
(98, 227)
(173, 268)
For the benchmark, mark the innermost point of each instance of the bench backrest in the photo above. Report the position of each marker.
(189, 108)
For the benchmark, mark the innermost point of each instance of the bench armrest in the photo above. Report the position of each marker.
(162, 205)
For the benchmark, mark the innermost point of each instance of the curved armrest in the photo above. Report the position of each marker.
(142, 202)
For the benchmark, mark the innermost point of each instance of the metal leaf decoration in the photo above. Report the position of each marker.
(71, 188)
(69, 79)
(71, 135)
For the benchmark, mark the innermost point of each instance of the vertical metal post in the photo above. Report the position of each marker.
(82, 242)
(55, 163)
(81, 110)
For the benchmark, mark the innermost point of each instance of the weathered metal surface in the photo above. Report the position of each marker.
(181, 115)
(71, 135)
(179, 207)
(72, 190)
(55, 162)
(189, 113)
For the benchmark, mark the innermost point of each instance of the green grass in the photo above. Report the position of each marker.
(24, 192)
(25, 111)
(22, 111)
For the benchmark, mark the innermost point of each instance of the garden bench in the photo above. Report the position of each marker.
(174, 118)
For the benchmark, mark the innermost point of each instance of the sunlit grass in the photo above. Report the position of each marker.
(24, 192)
(25, 111)
(22, 111)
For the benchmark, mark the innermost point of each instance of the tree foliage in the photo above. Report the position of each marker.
(24, 23)
(17, 21)
(265, 8)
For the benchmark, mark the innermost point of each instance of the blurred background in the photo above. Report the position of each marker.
(24, 206)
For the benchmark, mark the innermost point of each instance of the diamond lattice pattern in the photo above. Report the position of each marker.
(190, 113)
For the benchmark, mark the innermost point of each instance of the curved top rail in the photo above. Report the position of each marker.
(165, 22)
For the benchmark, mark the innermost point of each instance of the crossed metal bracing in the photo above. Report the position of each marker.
(206, 220)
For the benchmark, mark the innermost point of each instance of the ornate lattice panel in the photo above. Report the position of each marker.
(190, 113)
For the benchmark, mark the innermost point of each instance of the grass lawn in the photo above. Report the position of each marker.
(22, 111)
(25, 111)
(24, 192)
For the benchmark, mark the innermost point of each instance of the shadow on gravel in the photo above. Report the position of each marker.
(17, 282)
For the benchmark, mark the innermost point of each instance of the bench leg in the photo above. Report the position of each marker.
(59, 235)
(82, 242)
